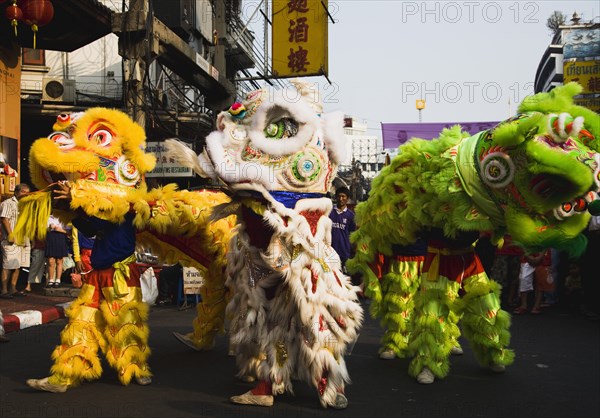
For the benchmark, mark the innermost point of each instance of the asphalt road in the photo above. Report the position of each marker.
(556, 374)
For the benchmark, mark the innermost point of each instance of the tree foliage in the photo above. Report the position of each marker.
(556, 19)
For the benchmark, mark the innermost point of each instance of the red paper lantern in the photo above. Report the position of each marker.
(14, 14)
(37, 13)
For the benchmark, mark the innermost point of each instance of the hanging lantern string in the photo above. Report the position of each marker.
(34, 28)
(14, 14)
(37, 13)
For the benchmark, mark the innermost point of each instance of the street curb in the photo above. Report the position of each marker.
(20, 320)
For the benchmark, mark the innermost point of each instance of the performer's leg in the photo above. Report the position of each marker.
(484, 323)
(398, 288)
(333, 379)
(210, 320)
(434, 334)
(261, 395)
(251, 362)
(127, 332)
(326, 369)
(75, 359)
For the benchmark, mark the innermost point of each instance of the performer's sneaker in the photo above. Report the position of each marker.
(387, 354)
(186, 340)
(497, 368)
(43, 384)
(249, 398)
(456, 350)
(341, 402)
(426, 376)
(143, 381)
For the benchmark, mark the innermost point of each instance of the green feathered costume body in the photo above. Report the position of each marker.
(532, 176)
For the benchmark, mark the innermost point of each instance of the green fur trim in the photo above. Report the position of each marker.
(560, 100)
(484, 324)
(397, 342)
(433, 334)
(396, 212)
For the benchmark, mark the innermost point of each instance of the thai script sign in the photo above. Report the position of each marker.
(192, 281)
(586, 73)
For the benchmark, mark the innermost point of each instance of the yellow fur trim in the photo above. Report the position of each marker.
(107, 201)
(127, 339)
(34, 211)
(76, 359)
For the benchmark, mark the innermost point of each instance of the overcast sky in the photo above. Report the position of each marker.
(470, 60)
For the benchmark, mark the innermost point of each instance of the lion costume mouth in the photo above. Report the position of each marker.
(52, 177)
(569, 185)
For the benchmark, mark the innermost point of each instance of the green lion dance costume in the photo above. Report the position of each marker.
(96, 162)
(532, 176)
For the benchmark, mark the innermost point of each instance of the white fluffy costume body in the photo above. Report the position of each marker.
(293, 310)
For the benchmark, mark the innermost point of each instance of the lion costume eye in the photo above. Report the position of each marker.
(63, 140)
(282, 128)
(102, 137)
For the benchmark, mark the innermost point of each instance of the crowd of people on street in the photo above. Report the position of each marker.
(43, 262)
(35, 262)
(532, 282)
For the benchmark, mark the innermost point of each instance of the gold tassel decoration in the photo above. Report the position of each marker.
(34, 28)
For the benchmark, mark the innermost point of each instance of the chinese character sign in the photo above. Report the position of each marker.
(166, 167)
(299, 38)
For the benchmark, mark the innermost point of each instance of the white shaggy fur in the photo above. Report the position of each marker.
(315, 312)
(333, 128)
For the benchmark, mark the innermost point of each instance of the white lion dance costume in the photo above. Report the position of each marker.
(293, 310)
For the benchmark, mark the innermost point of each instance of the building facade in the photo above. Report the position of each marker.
(363, 149)
(573, 55)
(171, 68)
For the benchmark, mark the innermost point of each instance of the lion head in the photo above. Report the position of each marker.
(102, 146)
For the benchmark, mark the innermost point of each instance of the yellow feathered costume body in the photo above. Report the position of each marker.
(99, 154)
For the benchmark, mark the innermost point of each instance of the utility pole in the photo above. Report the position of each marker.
(143, 38)
(220, 11)
(133, 47)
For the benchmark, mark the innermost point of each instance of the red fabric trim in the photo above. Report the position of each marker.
(312, 217)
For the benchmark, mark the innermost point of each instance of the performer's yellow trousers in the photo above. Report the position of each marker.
(109, 318)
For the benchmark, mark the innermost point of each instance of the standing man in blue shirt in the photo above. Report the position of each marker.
(343, 225)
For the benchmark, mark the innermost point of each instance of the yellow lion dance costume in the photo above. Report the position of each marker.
(90, 171)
